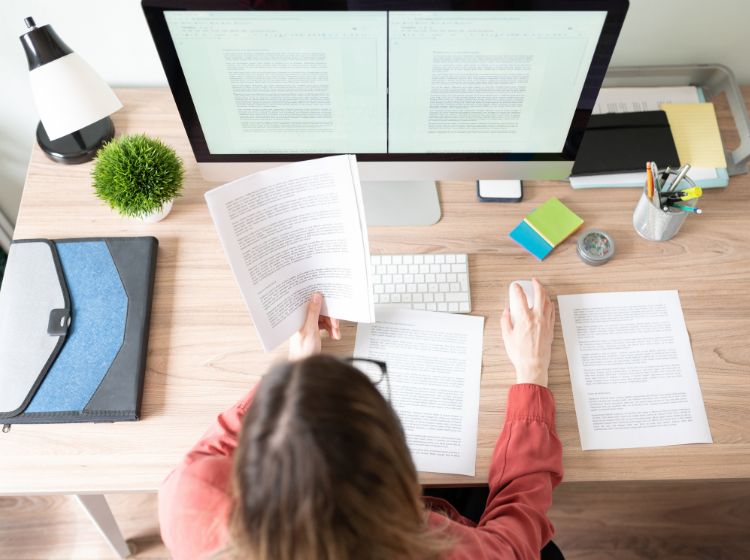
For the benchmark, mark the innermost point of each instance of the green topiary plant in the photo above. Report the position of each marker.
(137, 175)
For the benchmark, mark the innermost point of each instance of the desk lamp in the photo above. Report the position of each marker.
(73, 101)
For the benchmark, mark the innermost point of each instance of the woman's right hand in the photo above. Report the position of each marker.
(529, 342)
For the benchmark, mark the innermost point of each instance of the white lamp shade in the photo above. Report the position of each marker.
(70, 95)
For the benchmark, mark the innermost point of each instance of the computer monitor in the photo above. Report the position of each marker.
(417, 89)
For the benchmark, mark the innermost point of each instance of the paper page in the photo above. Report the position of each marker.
(637, 178)
(434, 368)
(289, 232)
(632, 100)
(696, 134)
(632, 370)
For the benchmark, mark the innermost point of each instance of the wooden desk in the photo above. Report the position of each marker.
(204, 353)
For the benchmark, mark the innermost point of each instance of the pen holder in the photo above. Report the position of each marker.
(655, 224)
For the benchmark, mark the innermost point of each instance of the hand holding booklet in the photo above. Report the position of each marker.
(291, 231)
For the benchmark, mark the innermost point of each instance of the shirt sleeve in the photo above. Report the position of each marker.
(194, 500)
(526, 466)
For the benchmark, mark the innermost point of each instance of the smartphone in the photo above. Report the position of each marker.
(500, 191)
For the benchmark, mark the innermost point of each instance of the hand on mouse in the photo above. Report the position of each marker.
(529, 342)
(306, 342)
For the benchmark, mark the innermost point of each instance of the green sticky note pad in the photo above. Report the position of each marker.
(554, 221)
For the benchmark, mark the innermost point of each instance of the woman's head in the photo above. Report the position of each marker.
(322, 471)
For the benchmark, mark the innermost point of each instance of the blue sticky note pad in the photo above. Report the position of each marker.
(530, 240)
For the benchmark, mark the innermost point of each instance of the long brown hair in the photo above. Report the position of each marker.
(322, 471)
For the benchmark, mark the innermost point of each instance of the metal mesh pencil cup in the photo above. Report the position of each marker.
(655, 224)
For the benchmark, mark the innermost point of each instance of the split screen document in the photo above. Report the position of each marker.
(385, 82)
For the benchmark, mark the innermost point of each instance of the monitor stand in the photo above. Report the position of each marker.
(400, 203)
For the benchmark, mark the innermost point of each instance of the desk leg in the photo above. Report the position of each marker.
(98, 511)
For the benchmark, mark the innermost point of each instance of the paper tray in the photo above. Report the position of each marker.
(712, 79)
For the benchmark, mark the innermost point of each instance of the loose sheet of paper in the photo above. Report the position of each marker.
(632, 370)
(291, 231)
(696, 134)
(434, 368)
(635, 99)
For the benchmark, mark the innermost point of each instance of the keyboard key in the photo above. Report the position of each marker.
(376, 279)
(463, 277)
(393, 269)
(429, 278)
(439, 297)
(379, 288)
(455, 287)
(382, 269)
(458, 268)
(450, 259)
(387, 279)
(452, 278)
(445, 268)
(445, 287)
(439, 259)
(419, 278)
(375, 299)
(418, 306)
(385, 298)
(416, 298)
(432, 307)
(374, 259)
(429, 259)
(400, 305)
(453, 307)
(440, 278)
(429, 298)
(400, 288)
(433, 287)
(461, 258)
(464, 286)
(398, 279)
(434, 268)
(460, 296)
(406, 298)
(422, 288)
(442, 306)
(396, 298)
(464, 307)
(418, 259)
(408, 278)
(411, 288)
(413, 268)
(386, 259)
(424, 268)
(390, 288)
(403, 269)
(397, 259)
(408, 259)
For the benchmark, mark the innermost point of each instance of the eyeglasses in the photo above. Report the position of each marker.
(376, 371)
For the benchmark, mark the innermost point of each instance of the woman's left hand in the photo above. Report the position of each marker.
(306, 342)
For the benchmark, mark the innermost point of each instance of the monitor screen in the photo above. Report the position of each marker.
(377, 82)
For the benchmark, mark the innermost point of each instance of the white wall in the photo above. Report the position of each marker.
(113, 37)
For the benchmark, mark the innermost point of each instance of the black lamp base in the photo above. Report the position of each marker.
(78, 147)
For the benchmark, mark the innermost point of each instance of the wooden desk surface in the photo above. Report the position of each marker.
(204, 353)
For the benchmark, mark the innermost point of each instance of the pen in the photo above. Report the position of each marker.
(664, 176)
(688, 208)
(655, 171)
(680, 176)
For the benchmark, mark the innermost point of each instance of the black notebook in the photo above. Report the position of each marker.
(624, 142)
(74, 323)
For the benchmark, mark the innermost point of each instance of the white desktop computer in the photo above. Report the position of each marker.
(419, 90)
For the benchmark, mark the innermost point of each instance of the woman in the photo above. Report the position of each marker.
(312, 464)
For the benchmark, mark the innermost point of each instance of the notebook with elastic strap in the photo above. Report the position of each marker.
(74, 323)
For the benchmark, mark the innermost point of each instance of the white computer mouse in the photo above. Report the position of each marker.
(528, 288)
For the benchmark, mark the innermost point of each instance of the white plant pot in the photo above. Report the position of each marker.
(158, 216)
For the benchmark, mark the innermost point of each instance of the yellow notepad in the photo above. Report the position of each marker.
(553, 221)
(696, 134)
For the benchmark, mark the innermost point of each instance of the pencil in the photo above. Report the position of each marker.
(649, 181)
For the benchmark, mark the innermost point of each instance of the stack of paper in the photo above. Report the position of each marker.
(547, 227)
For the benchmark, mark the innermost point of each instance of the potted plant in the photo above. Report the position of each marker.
(138, 177)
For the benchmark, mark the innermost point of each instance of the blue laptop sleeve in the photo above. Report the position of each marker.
(74, 325)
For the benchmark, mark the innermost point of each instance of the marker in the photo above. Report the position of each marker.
(688, 208)
(680, 177)
(687, 194)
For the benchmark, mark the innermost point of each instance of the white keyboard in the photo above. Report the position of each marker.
(427, 282)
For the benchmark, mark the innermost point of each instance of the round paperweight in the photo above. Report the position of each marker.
(595, 247)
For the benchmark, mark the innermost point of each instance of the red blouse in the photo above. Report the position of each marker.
(194, 500)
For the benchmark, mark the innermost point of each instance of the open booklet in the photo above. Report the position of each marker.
(291, 231)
